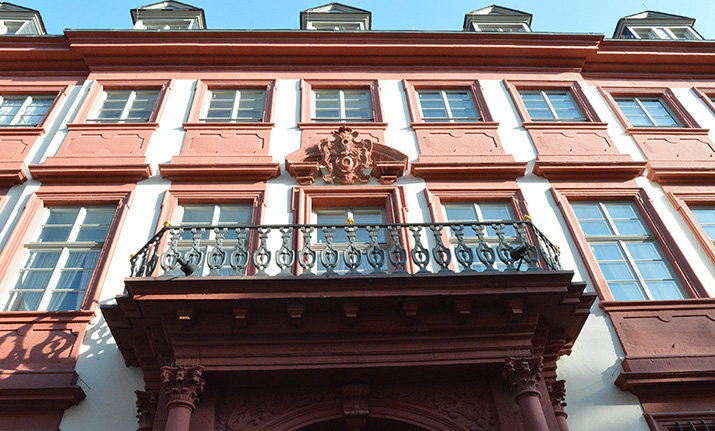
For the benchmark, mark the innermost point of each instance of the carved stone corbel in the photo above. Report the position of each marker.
(146, 409)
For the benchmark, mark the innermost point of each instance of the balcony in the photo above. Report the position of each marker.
(337, 303)
(349, 249)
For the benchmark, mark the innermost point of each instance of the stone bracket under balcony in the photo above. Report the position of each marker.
(272, 323)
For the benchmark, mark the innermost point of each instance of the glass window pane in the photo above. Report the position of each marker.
(663, 290)
(627, 291)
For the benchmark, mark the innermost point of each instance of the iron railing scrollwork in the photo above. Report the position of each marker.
(307, 250)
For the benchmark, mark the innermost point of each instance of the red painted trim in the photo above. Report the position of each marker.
(307, 86)
(411, 86)
(203, 85)
(665, 93)
(682, 198)
(705, 93)
(565, 193)
(100, 85)
(573, 87)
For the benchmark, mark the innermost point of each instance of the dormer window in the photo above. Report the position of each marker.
(19, 20)
(497, 19)
(656, 26)
(168, 15)
(335, 17)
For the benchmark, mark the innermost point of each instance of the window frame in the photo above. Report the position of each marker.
(59, 92)
(564, 195)
(95, 97)
(639, 101)
(131, 97)
(306, 101)
(22, 111)
(665, 94)
(707, 94)
(685, 197)
(572, 87)
(184, 193)
(201, 101)
(64, 248)
(28, 223)
(342, 106)
(665, 29)
(413, 86)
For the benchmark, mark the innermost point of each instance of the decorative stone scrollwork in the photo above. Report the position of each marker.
(523, 375)
(557, 393)
(355, 406)
(146, 409)
(345, 157)
(183, 384)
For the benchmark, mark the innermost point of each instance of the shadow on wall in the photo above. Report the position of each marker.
(108, 383)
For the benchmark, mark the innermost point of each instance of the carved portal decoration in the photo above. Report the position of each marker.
(523, 375)
(183, 384)
(251, 412)
(468, 406)
(355, 406)
(345, 157)
(146, 409)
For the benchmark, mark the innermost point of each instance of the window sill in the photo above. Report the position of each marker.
(580, 125)
(21, 131)
(672, 304)
(45, 317)
(666, 131)
(468, 125)
(111, 126)
(228, 126)
(366, 125)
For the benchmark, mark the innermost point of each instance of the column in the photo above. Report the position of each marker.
(523, 375)
(557, 393)
(146, 409)
(182, 386)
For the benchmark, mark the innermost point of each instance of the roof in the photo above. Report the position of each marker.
(496, 13)
(335, 8)
(651, 17)
(497, 10)
(11, 10)
(171, 6)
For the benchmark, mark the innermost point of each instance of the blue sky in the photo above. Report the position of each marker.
(598, 16)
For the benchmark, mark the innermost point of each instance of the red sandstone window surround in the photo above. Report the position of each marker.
(202, 101)
(686, 199)
(571, 88)
(307, 88)
(98, 89)
(567, 195)
(678, 112)
(707, 94)
(416, 87)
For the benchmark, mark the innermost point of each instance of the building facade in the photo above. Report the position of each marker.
(492, 229)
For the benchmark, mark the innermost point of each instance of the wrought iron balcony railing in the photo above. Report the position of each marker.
(415, 248)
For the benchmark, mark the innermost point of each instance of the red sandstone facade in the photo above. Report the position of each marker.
(438, 351)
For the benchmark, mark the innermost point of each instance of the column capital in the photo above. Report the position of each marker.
(557, 394)
(182, 384)
(523, 375)
(146, 409)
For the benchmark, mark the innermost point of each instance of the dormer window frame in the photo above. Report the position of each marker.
(497, 27)
(192, 23)
(662, 32)
(29, 20)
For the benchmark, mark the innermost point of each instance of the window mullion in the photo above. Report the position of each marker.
(20, 111)
(341, 98)
(634, 267)
(548, 103)
(127, 105)
(54, 279)
(446, 106)
(645, 111)
(236, 100)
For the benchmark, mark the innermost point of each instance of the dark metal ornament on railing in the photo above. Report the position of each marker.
(444, 247)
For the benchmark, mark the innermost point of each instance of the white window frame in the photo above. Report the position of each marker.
(623, 240)
(162, 24)
(545, 95)
(23, 29)
(236, 104)
(21, 112)
(64, 248)
(695, 209)
(445, 101)
(340, 246)
(209, 237)
(341, 101)
(639, 102)
(128, 103)
(663, 33)
(499, 27)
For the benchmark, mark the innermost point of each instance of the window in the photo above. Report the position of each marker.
(628, 255)
(23, 111)
(483, 212)
(235, 106)
(647, 112)
(669, 33)
(341, 105)
(706, 217)
(10, 26)
(501, 27)
(126, 106)
(551, 105)
(346, 216)
(202, 216)
(447, 106)
(59, 261)
(168, 24)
